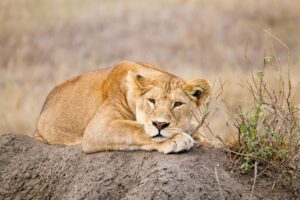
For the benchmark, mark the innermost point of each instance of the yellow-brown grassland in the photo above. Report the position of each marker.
(43, 43)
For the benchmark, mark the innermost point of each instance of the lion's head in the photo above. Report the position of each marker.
(165, 105)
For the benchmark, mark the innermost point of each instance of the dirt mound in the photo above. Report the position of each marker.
(32, 170)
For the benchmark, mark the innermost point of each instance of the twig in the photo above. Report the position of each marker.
(245, 55)
(282, 43)
(273, 185)
(254, 181)
(221, 89)
(219, 184)
(276, 38)
(245, 154)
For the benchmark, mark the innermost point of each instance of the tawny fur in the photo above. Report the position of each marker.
(109, 109)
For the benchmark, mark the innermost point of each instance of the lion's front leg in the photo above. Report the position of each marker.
(102, 135)
(128, 135)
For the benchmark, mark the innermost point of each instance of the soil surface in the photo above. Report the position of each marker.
(30, 169)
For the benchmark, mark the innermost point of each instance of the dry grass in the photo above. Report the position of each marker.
(44, 42)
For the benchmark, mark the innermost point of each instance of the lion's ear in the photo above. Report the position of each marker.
(136, 82)
(198, 90)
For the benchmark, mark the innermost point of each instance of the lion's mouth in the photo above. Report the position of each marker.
(159, 138)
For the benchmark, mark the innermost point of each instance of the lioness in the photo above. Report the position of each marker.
(126, 107)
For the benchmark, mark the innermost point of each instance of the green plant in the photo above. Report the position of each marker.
(268, 131)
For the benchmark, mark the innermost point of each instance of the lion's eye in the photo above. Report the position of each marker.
(151, 101)
(177, 104)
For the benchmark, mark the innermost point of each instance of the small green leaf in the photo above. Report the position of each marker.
(260, 74)
(282, 153)
(268, 59)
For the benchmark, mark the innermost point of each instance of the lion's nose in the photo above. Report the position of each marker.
(160, 125)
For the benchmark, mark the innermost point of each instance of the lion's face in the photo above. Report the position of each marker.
(164, 113)
(165, 107)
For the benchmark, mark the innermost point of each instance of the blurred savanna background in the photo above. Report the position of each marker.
(43, 43)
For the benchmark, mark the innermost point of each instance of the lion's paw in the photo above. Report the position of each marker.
(180, 142)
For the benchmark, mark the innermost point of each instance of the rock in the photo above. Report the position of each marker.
(64, 172)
